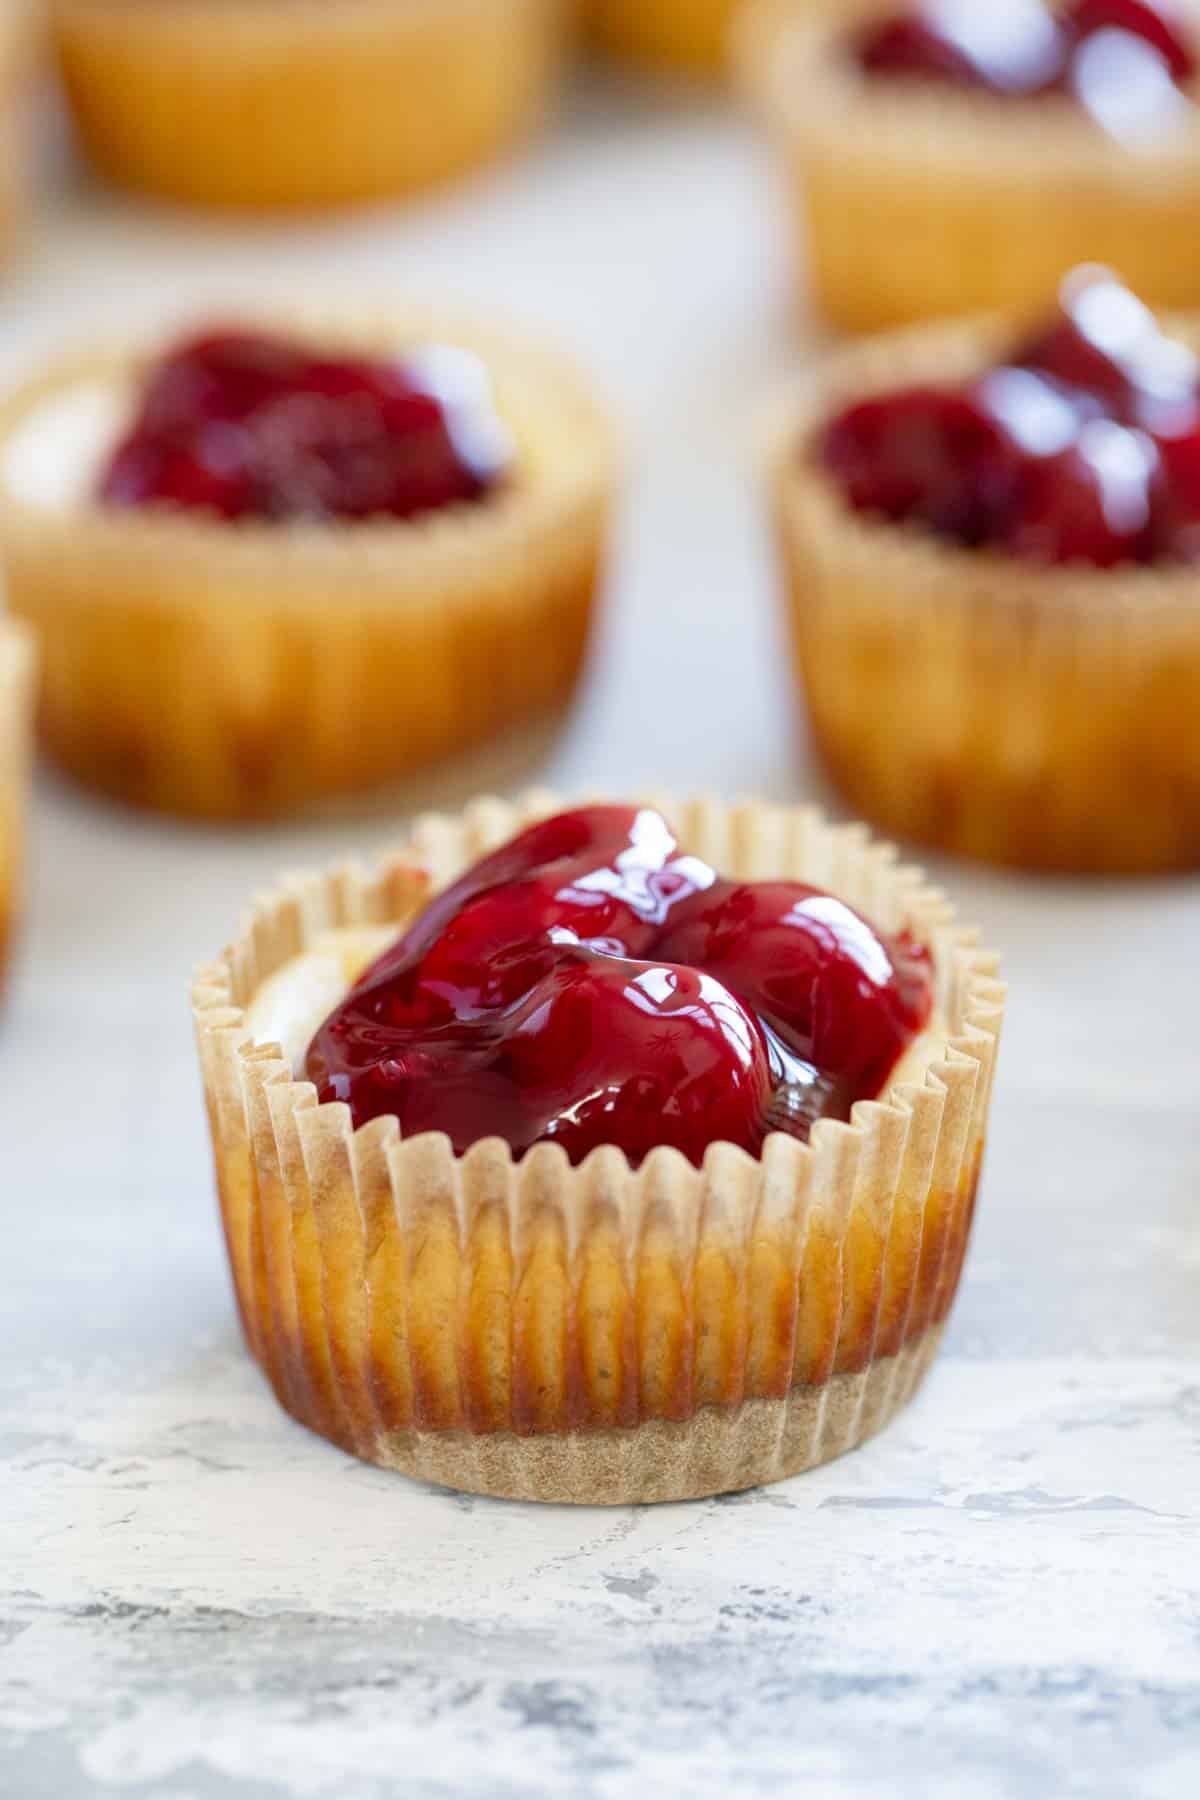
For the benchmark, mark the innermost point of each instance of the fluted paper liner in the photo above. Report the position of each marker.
(911, 200)
(248, 669)
(970, 700)
(596, 1335)
(316, 103)
(16, 733)
(687, 36)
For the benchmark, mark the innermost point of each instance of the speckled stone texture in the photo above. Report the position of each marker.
(996, 1599)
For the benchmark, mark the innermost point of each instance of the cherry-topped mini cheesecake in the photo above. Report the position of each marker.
(1080, 445)
(273, 564)
(317, 103)
(603, 1155)
(990, 533)
(591, 984)
(948, 155)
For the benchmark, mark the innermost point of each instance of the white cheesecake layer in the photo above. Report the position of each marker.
(54, 458)
(300, 996)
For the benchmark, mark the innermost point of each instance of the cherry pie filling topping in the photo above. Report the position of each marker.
(1126, 62)
(248, 426)
(589, 983)
(1083, 446)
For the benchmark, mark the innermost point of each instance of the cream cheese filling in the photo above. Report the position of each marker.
(293, 1003)
(55, 455)
(299, 997)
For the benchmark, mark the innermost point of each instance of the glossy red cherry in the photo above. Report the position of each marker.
(1179, 528)
(201, 476)
(1104, 341)
(1017, 48)
(701, 1012)
(1084, 448)
(842, 998)
(610, 873)
(1160, 24)
(640, 1054)
(1037, 414)
(248, 427)
(1125, 62)
(600, 1050)
(914, 46)
(1098, 502)
(502, 941)
(219, 375)
(928, 454)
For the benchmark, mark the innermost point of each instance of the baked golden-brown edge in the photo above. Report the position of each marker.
(16, 734)
(965, 699)
(910, 202)
(255, 105)
(690, 37)
(248, 670)
(596, 1335)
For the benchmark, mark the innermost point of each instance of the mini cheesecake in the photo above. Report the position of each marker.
(16, 733)
(990, 538)
(317, 103)
(957, 157)
(278, 563)
(556, 1163)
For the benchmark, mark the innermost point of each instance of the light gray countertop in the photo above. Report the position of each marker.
(1000, 1597)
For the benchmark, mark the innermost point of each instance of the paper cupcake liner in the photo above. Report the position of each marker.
(16, 732)
(251, 104)
(908, 204)
(246, 670)
(597, 1334)
(1038, 716)
(687, 36)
